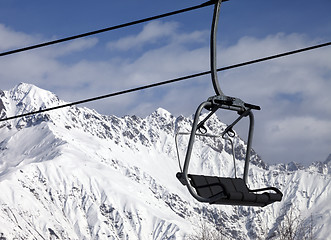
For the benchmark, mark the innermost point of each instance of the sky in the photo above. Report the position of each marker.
(293, 92)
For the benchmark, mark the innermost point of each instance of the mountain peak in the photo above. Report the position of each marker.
(25, 91)
(25, 98)
(24, 87)
(28, 97)
(162, 113)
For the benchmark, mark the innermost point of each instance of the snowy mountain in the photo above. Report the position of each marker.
(76, 174)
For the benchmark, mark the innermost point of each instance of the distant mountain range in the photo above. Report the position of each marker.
(76, 174)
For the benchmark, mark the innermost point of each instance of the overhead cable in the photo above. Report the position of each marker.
(276, 56)
(168, 81)
(106, 29)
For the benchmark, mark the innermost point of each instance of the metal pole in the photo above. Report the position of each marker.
(192, 136)
(249, 144)
(213, 43)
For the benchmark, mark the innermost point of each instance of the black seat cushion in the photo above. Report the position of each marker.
(232, 191)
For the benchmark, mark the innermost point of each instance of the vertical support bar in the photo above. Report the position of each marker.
(249, 145)
(192, 136)
(184, 175)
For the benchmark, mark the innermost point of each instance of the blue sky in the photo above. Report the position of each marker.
(294, 92)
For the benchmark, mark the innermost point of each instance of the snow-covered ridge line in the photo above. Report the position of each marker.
(25, 98)
(76, 174)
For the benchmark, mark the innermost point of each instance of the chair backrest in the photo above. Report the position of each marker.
(240, 185)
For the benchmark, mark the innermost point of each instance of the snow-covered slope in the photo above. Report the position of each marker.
(75, 174)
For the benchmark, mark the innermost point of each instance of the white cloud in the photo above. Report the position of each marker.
(10, 39)
(158, 32)
(151, 33)
(74, 46)
(302, 139)
(39, 66)
(292, 128)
